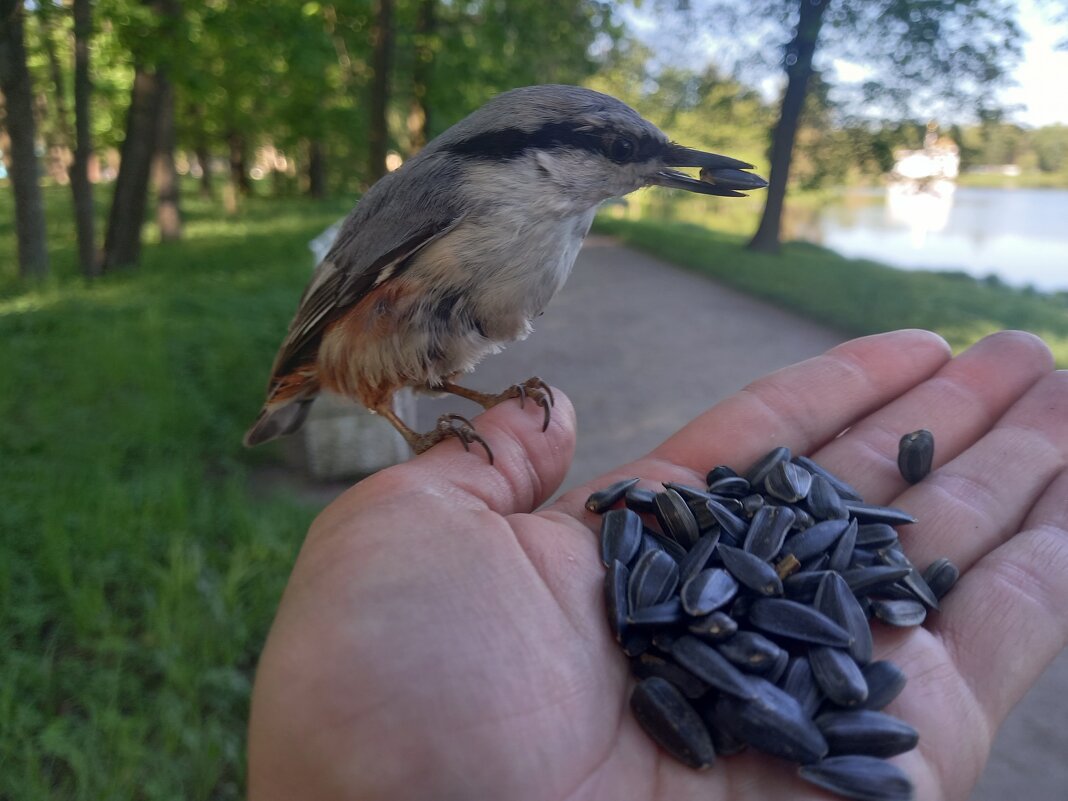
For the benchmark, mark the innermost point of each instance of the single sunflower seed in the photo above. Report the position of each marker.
(865, 731)
(838, 676)
(767, 531)
(861, 778)
(940, 576)
(604, 499)
(708, 591)
(667, 717)
(654, 579)
(750, 570)
(621, 536)
(915, 454)
(797, 621)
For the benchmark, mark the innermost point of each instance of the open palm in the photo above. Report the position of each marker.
(438, 639)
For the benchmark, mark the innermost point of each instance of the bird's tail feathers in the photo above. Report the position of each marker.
(287, 406)
(277, 422)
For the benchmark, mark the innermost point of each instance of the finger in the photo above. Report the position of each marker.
(958, 405)
(801, 406)
(527, 468)
(978, 501)
(1004, 622)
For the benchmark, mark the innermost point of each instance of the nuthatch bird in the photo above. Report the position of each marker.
(455, 253)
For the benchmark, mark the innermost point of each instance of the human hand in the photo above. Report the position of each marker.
(438, 639)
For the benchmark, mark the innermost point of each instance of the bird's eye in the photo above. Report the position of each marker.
(620, 150)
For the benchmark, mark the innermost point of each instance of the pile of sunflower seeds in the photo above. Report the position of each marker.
(745, 614)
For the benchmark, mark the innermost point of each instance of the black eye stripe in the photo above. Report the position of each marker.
(511, 143)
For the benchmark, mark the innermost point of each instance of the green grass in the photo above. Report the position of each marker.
(138, 575)
(855, 295)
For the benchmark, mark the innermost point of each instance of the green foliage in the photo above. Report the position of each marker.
(855, 295)
(138, 570)
(486, 46)
(1051, 148)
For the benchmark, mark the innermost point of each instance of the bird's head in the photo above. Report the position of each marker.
(576, 147)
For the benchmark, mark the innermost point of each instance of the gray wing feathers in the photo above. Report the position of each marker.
(401, 214)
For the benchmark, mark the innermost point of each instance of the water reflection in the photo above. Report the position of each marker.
(1019, 235)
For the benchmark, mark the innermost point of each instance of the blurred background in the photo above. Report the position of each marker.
(166, 162)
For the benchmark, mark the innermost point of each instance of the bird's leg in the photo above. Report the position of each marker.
(534, 388)
(449, 425)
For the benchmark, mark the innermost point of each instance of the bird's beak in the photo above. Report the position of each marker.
(720, 175)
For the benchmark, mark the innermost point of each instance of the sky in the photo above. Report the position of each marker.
(1039, 94)
(1043, 73)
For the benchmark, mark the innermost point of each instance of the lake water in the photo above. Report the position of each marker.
(1019, 235)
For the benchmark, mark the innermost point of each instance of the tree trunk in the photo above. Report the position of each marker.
(204, 160)
(316, 169)
(81, 188)
(239, 164)
(798, 70)
(122, 245)
(419, 112)
(18, 93)
(201, 149)
(382, 47)
(168, 209)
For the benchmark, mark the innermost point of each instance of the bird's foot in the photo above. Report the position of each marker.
(450, 425)
(533, 388)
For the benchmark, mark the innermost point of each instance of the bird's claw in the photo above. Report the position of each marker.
(453, 425)
(539, 391)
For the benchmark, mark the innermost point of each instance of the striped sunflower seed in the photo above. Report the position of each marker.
(621, 536)
(604, 499)
(667, 717)
(838, 676)
(864, 731)
(642, 501)
(750, 651)
(750, 570)
(615, 598)
(756, 474)
(697, 557)
(798, 682)
(788, 482)
(653, 580)
(899, 613)
(711, 667)
(772, 721)
(842, 555)
(796, 621)
(715, 627)
(862, 778)
(815, 540)
(885, 682)
(767, 531)
(836, 601)
(675, 518)
(708, 591)
(915, 454)
(940, 576)
(648, 665)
